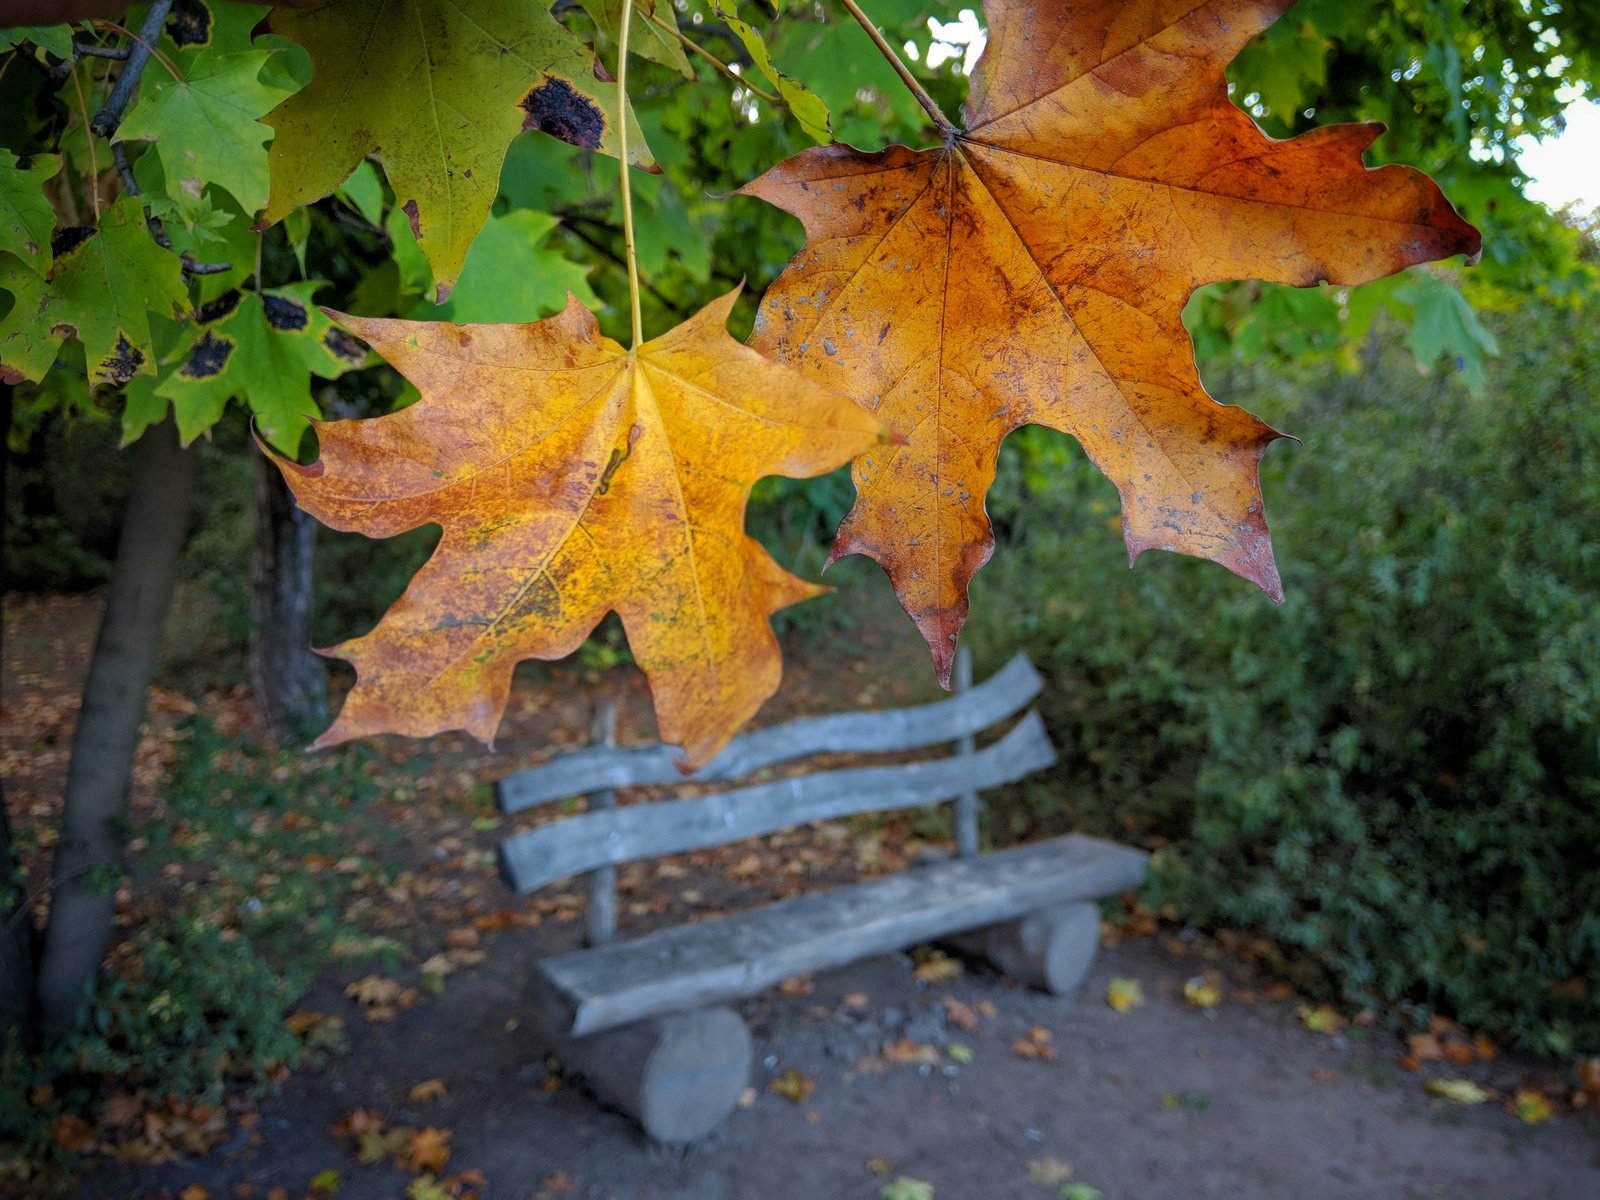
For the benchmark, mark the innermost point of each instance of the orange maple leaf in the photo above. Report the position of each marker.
(573, 478)
(1032, 268)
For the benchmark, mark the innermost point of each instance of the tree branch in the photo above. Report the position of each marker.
(108, 118)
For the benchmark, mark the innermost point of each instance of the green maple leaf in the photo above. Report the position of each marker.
(509, 276)
(57, 39)
(102, 286)
(206, 126)
(645, 38)
(27, 348)
(26, 218)
(807, 107)
(475, 72)
(261, 348)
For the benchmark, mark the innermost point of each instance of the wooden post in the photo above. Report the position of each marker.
(679, 1075)
(1049, 948)
(600, 924)
(967, 803)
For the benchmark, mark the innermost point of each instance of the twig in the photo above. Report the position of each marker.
(916, 89)
(158, 231)
(108, 118)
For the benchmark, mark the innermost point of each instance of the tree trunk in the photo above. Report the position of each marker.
(290, 682)
(18, 938)
(95, 806)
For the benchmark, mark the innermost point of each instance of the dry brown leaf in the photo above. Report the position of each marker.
(1036, 1045)
(1049, 1172)
(373, 990)
(428, 1089)
(963, 1016)
(938, 967)
(427, 1150)
(574, 478)
(1032, 268)
(906, 1053)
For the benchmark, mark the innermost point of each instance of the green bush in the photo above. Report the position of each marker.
(240, 885)
(1398, 771)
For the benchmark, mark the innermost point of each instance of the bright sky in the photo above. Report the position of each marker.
(1566, 169)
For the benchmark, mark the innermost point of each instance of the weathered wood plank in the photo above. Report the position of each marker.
(968, 806)
(582, 843)
(691, 965)
(582, 771)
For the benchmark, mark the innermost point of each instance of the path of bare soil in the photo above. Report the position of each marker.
(979, 1088)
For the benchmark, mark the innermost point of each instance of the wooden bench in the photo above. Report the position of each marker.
(644, 1020)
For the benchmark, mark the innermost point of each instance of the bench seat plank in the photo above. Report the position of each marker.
(586, 991)
(577, 844)
(599, 767)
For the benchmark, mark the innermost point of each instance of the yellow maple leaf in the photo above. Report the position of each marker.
(1459, 1091)
(574, 478)
(1124, 994)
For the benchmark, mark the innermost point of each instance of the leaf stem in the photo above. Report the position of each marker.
(690, 44)
(627, 188)
(94, 160)
(916, 89)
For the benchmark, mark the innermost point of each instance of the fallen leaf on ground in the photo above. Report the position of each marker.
(375, 1145)
(1201, 992)
(428, 1089)
(963, 1016)
(324, 1183)
(905, 1188)
(72, 1132)
(194, 1192)
(958, 1052)
(1324, 1018)
(1032, 270)
(1048, 1172)
(906, 1053)
(574, 478)
(793, 1085)
(373, 991)
(428, 1150)
(1035, 1045)
(938, 967)
(879, 1165)
(1532, 1107)
(1459, 1091)
(800, 985)
(856, 1002)
(1081, 1191)
(1124, 994)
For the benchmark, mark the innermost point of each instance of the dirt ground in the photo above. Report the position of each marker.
(1235, 1103)
(972, 1085)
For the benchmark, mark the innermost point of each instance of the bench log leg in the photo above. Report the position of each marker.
(1050, 948)
(679, 1076)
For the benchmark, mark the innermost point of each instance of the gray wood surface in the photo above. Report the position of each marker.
(582, 843)
(1050, 948)
(1006, 692)
(600, 917)
(967, 803)
(679, 1076)
(691, 965)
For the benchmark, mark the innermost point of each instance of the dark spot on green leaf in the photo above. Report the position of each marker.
(122, 364)
(559, 109)
(215, 310)
(341, 345)
(415, 217)
(283, 314)
(65, 241)
(190, 23)
(209, 356)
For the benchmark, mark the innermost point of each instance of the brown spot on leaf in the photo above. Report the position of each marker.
(65, 241)
(414, 216)
(122, 364)
(559, 109)
(283, 314)
(209, 356)
(215, 310)
(190, 23)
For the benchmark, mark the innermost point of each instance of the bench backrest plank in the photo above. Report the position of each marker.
(599, 768)
(582, 843)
